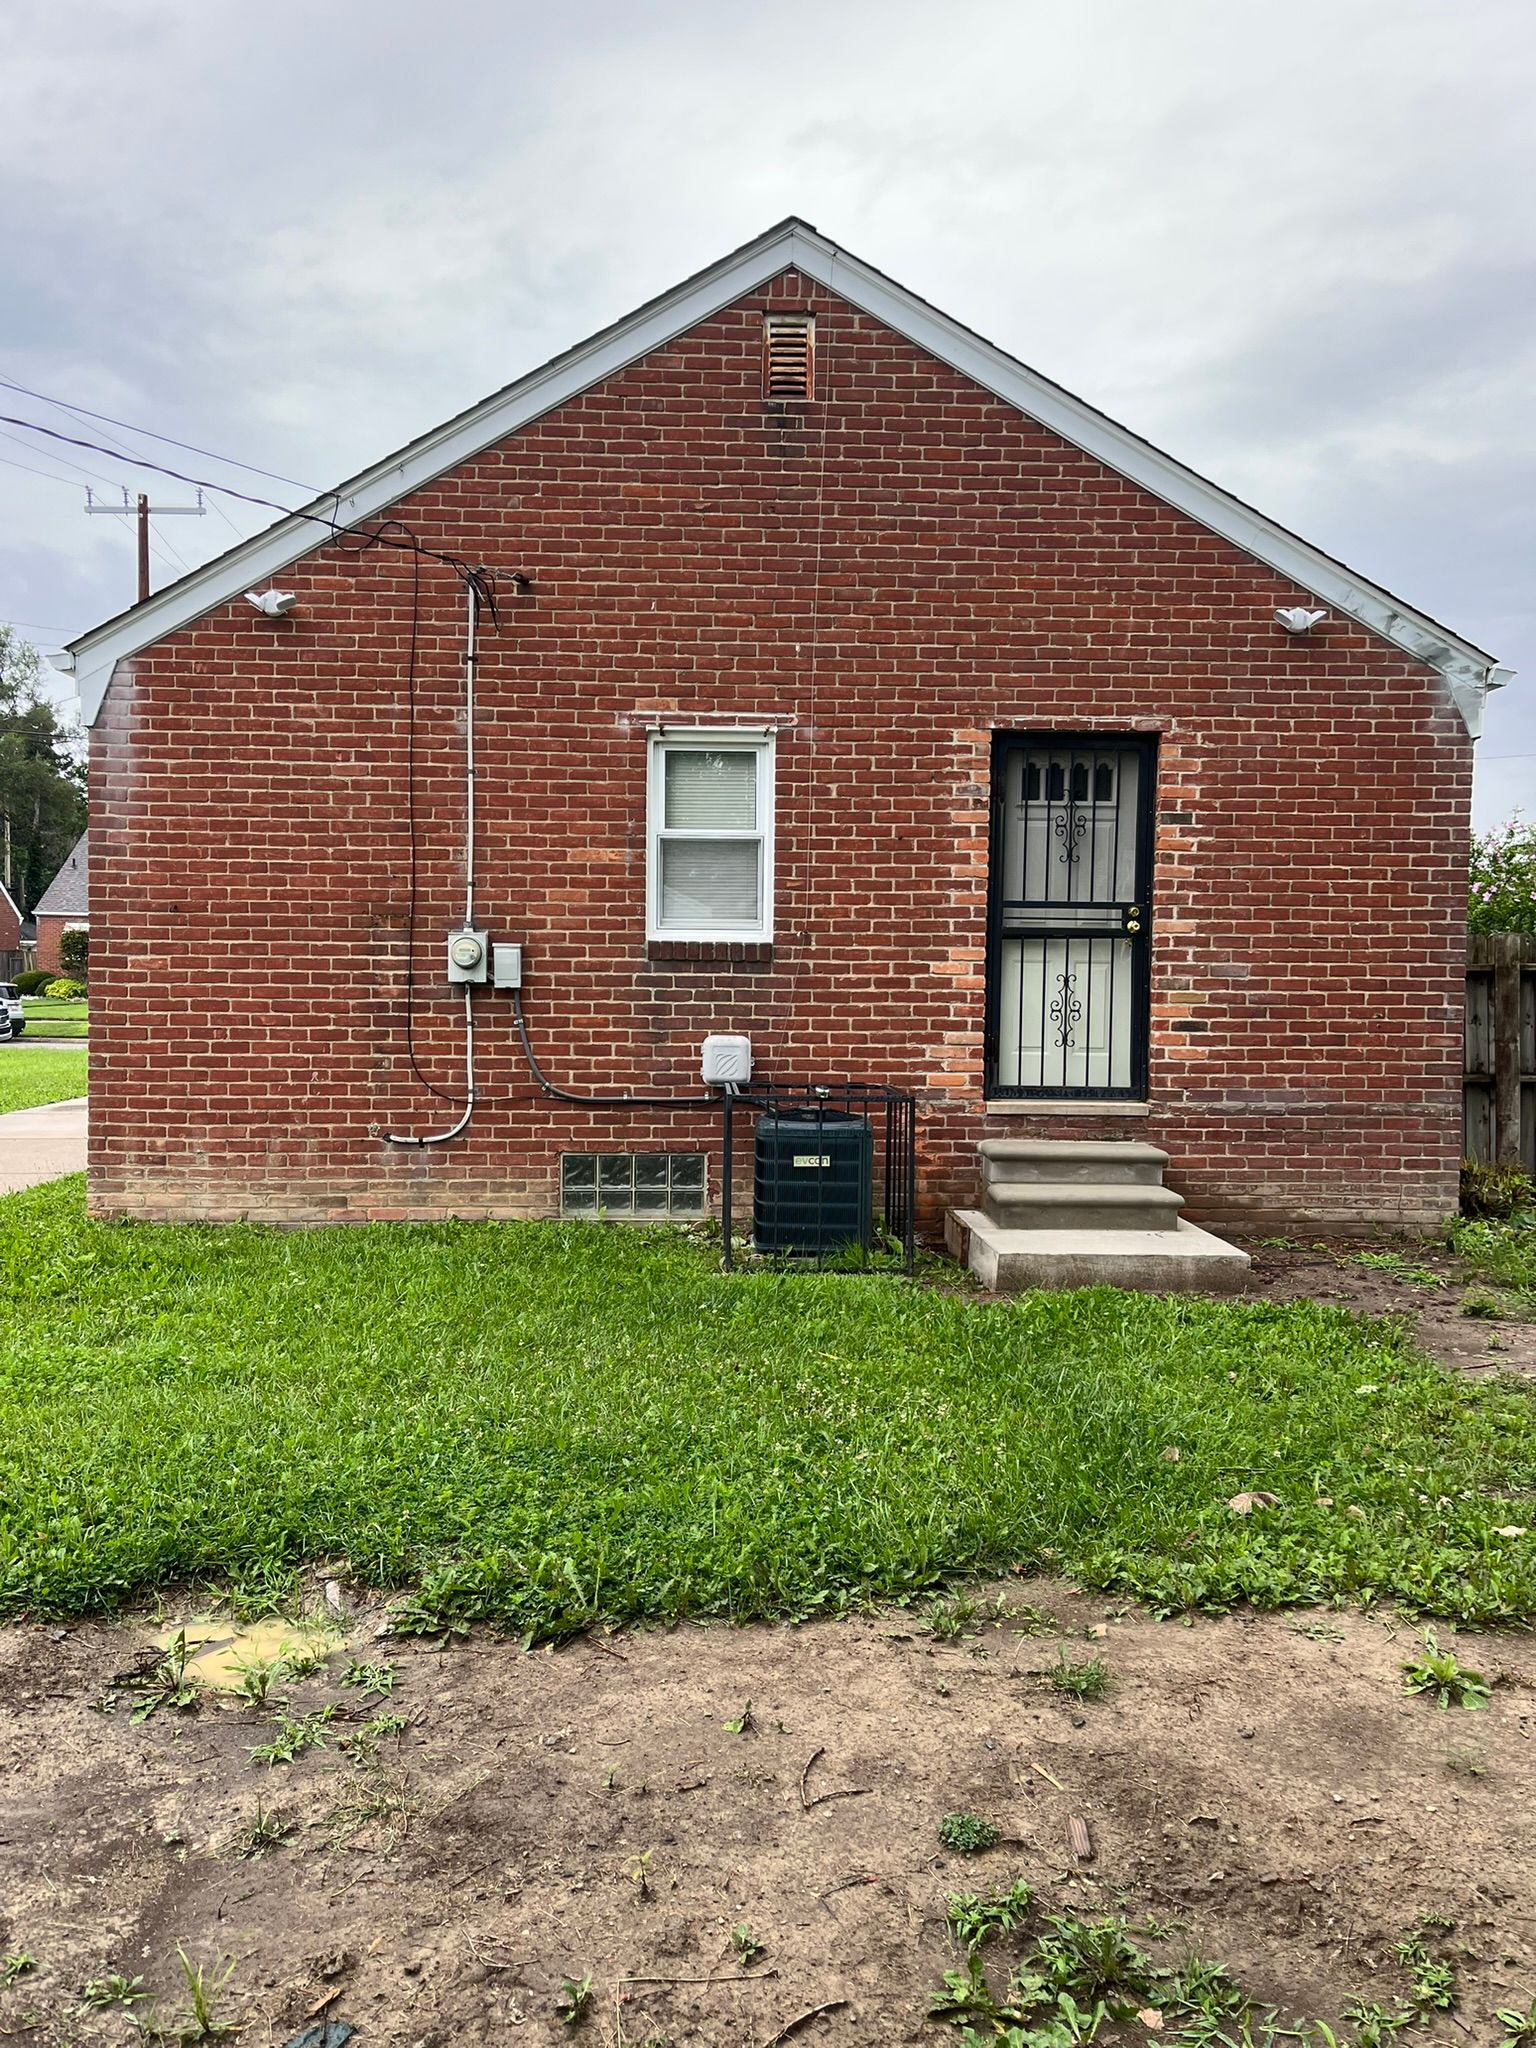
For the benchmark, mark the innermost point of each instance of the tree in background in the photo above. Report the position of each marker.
(1503, 892)
(42, 777)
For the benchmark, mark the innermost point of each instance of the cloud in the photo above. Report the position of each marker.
(1293, 246)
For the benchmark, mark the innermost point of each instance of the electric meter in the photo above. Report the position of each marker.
(467, 955)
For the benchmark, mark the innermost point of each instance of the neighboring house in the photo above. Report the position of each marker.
(871, 696)
(10, 935)
(64, 906)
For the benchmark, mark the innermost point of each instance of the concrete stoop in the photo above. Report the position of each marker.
(1057, 1212)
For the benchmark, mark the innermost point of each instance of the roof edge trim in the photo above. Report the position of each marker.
(791, 245)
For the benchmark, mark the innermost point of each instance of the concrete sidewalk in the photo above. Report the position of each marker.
(41, 1144)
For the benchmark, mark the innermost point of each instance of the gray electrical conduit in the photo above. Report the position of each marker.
(471, 624)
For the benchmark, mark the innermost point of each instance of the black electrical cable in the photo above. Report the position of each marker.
(600, 1101)
(379, 536)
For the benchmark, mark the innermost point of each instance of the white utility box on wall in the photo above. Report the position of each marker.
(726, 1057)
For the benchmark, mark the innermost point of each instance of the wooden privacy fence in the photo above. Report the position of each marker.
(1498, 1116)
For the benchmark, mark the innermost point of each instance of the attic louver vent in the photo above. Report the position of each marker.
(789, 347)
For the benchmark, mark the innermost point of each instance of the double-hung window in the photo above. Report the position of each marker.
(710, 840)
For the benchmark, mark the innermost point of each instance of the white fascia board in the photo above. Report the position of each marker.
(1465, 667)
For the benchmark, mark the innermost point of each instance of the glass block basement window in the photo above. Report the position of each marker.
(645, 1186)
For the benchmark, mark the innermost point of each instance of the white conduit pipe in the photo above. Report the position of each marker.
(471, 625)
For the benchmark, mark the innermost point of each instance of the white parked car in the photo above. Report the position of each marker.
(13, 1019)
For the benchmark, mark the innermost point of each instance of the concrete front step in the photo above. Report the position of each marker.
(1059, 1159)
(1026, 1205)
(1184, 1260)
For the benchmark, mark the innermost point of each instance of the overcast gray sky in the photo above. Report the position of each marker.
(1291, 241)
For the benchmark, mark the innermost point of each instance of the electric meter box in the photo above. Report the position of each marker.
(469, 955)
(726, 1057)
(506, 967)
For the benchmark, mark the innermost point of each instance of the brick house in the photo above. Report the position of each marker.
(10, 934)
(850, 686)
(64, 906)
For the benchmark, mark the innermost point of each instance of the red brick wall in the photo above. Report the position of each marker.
(891, 573)
(50, 937)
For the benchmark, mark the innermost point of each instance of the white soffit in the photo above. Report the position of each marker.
(1468, 670)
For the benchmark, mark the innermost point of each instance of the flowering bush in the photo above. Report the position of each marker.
(1503, 895)
(64, 990)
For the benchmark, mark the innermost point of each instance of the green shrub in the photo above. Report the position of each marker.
(34, 980)
(1496, 1191)
(1502, 895)
(75, 950)
(64, 990)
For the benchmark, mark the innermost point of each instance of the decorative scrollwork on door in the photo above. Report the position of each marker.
(1071, 828)
(1066, 1010)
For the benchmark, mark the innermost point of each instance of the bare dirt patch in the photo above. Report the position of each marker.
(1262, 1782)
(1332, 1271)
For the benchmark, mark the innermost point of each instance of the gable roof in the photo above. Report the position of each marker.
(69, 893)
(1468, 669)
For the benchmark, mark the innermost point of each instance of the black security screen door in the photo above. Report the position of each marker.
(1069, 930)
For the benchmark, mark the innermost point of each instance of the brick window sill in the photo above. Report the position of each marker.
(710, 952)
(1019, 1107)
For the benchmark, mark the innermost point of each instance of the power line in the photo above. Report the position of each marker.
(95, 475)
(388, 533)
(49, 475)
(85, 412)
(181, 477)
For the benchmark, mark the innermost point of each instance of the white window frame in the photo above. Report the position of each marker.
(714, 739)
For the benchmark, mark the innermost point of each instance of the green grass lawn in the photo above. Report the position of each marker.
(545, 1424)
(51, 1019)
(33, 1074)
(1504, 1253)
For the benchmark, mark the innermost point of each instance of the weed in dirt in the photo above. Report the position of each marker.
(793, 1443)
(640, 1874)
(1519, 2027)
(1467, 1760)
(258, 1677)
(575, 2000)
(373, 1681)
(293, 1737)
(1433, 1987)
(15, 1965)
(1438, 1671)
(1375, 2024)
(373, 1795)
(1087, 1680)
(1399, 1267)
(973, 1916)
(1317, 1631)
(1075, 1976)
(948, 1620)
(967, 1834)
(99, 1993)
(268, 1830)
(165, 1683)
(745, 1945)
(300, 1664)
(362, 1742)
(206, 1985)
(1484, 1308)
(740, 1724)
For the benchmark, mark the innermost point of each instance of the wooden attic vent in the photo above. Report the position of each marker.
(789, 355)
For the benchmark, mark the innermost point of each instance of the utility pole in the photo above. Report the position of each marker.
(143, 511)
